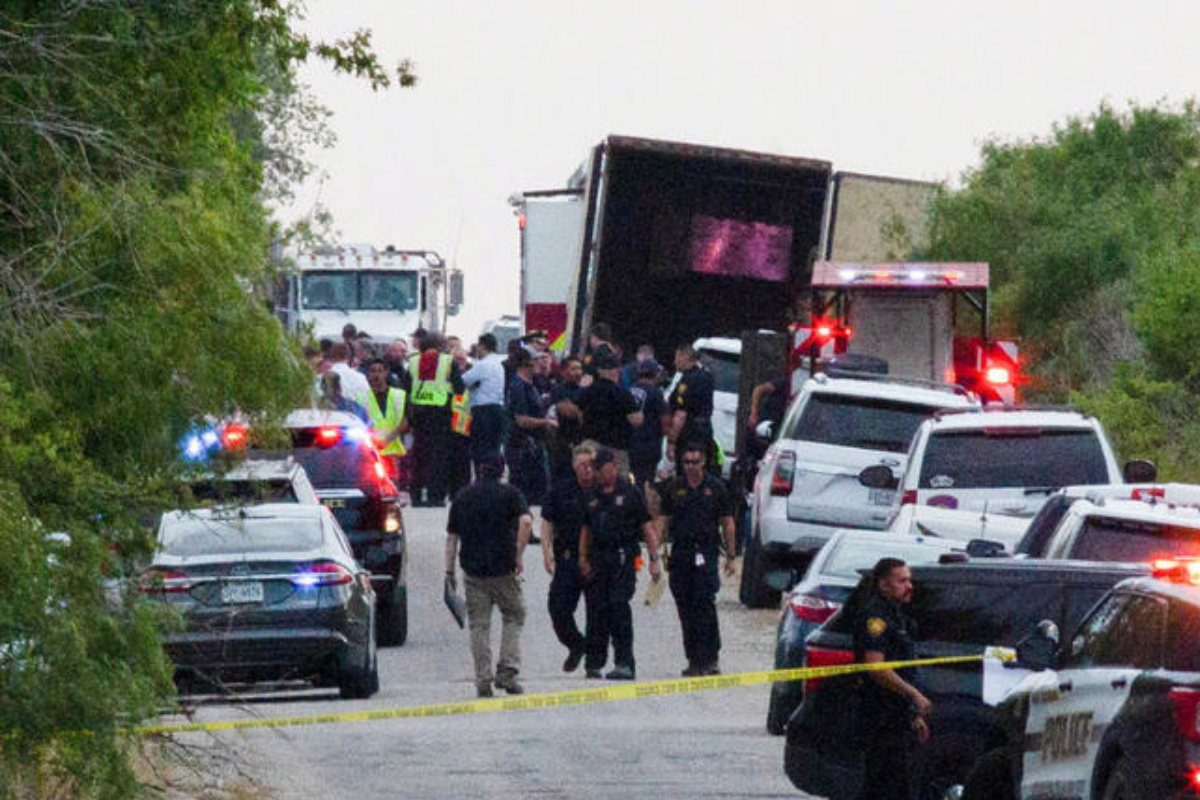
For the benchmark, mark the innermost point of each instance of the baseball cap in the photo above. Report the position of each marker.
(649, 367)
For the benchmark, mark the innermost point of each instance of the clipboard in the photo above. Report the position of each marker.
(654, 591)
(457, 606)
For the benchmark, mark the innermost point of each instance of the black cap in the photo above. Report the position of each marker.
(605, 358)
(604, 455)
(649, 367)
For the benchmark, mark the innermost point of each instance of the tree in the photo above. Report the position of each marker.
(140, 145)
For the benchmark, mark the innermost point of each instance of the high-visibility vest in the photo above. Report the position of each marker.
(460, 414)
(384, 421)
(435, 392)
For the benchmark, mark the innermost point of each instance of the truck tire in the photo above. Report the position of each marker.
(990, 778)
(752, 591)
(1120, 784)
(392, 619)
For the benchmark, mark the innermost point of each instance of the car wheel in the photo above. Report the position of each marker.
(752, 591)
(1119, 785)
(778, 712)
(359, 683)
(990, 778)
(392, 620)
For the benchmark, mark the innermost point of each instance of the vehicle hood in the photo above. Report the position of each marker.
(959, 524)
(381, 325)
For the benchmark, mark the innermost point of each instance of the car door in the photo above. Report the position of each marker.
(1072, 707)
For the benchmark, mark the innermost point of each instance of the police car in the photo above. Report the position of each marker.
(1111, 714)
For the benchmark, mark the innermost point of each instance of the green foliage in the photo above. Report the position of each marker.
(139, 145)
(1093, 235)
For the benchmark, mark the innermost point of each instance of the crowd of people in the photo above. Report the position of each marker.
(619, 463)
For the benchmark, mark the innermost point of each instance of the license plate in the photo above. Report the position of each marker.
(882, 497)
(334, 503)
(242, 592)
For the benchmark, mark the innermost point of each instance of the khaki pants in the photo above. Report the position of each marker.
(505, 593)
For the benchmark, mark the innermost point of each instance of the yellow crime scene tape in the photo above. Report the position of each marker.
(628, 691)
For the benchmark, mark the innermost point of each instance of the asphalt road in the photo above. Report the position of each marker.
(705, 745)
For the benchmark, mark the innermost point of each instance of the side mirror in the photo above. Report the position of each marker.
(1140, 471)
(1036, 651)
(986, 548)
(879, 476)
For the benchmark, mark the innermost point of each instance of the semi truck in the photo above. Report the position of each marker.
(385, 293)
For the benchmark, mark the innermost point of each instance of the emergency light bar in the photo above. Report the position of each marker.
(944, 275)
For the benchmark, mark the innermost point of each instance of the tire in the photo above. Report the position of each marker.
(359, 683)
(1120, 784)
(391, 623)
(778, 713)
(990, 778)
(752, 591)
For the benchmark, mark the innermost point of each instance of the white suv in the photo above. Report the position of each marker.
(987, 473)
(808, 484)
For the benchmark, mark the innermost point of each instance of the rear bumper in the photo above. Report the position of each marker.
(382, 553)
(293, 652)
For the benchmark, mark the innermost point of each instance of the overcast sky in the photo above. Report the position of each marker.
(512, 95)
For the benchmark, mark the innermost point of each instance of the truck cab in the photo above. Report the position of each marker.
(388, 294)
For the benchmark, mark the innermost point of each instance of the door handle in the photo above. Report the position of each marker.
(1119, 683)
(1066, 686)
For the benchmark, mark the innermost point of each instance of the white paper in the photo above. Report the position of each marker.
(999, 679)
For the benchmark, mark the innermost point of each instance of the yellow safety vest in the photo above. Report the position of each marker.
(460, 414)
(384, 421)
(435, 392)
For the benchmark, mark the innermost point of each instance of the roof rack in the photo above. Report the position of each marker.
(1005, 408)
(875, 377)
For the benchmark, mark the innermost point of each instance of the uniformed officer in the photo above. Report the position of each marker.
(608, 547)
(563, 516)
(895, 711)
(691, 406)
(435, 379)
(385, 407)
(699, 511)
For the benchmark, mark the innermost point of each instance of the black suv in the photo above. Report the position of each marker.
(958, 609)
(1113, 712)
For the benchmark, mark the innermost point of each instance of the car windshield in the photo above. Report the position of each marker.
(852, 554)
(725, 369)
(235, 535)
(1109, 539)
(349, 290)
(985, 459)
(862, 422)
(217, 490)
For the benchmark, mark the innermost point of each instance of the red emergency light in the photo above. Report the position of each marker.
(998, 376)
(1177, 570)
(329, 435)
(954, 275)
(234, 436)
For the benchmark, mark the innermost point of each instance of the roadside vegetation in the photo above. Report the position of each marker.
(141, 147)
(1093, 236)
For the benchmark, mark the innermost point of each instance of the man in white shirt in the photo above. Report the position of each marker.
(485, 381)
(354, 382)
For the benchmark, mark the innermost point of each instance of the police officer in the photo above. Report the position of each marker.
(608, 547)
(691, 406)
(895, 711)
(700, 513)
(563, 516)
(385, 407)
(434, 380)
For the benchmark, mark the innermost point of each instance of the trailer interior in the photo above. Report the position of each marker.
(683, 225)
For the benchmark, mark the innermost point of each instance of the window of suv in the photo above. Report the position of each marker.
(992, 459)
(346, 465)
(1183, 637)
(1124, 631)
(726, 369)
(862, 422)
(984, 614)
(1110, 539)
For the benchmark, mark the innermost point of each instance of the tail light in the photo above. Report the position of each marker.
(164, 581)
(1151, 493)
(234, 436)
(323, 573)
(909, 498)
(998, 376)
(813, 609)
(391, 519)
(1186, 702)
(328, 435)
(823, 657)
(784, 473)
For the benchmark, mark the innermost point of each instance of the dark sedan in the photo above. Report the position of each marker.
(266, 593)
